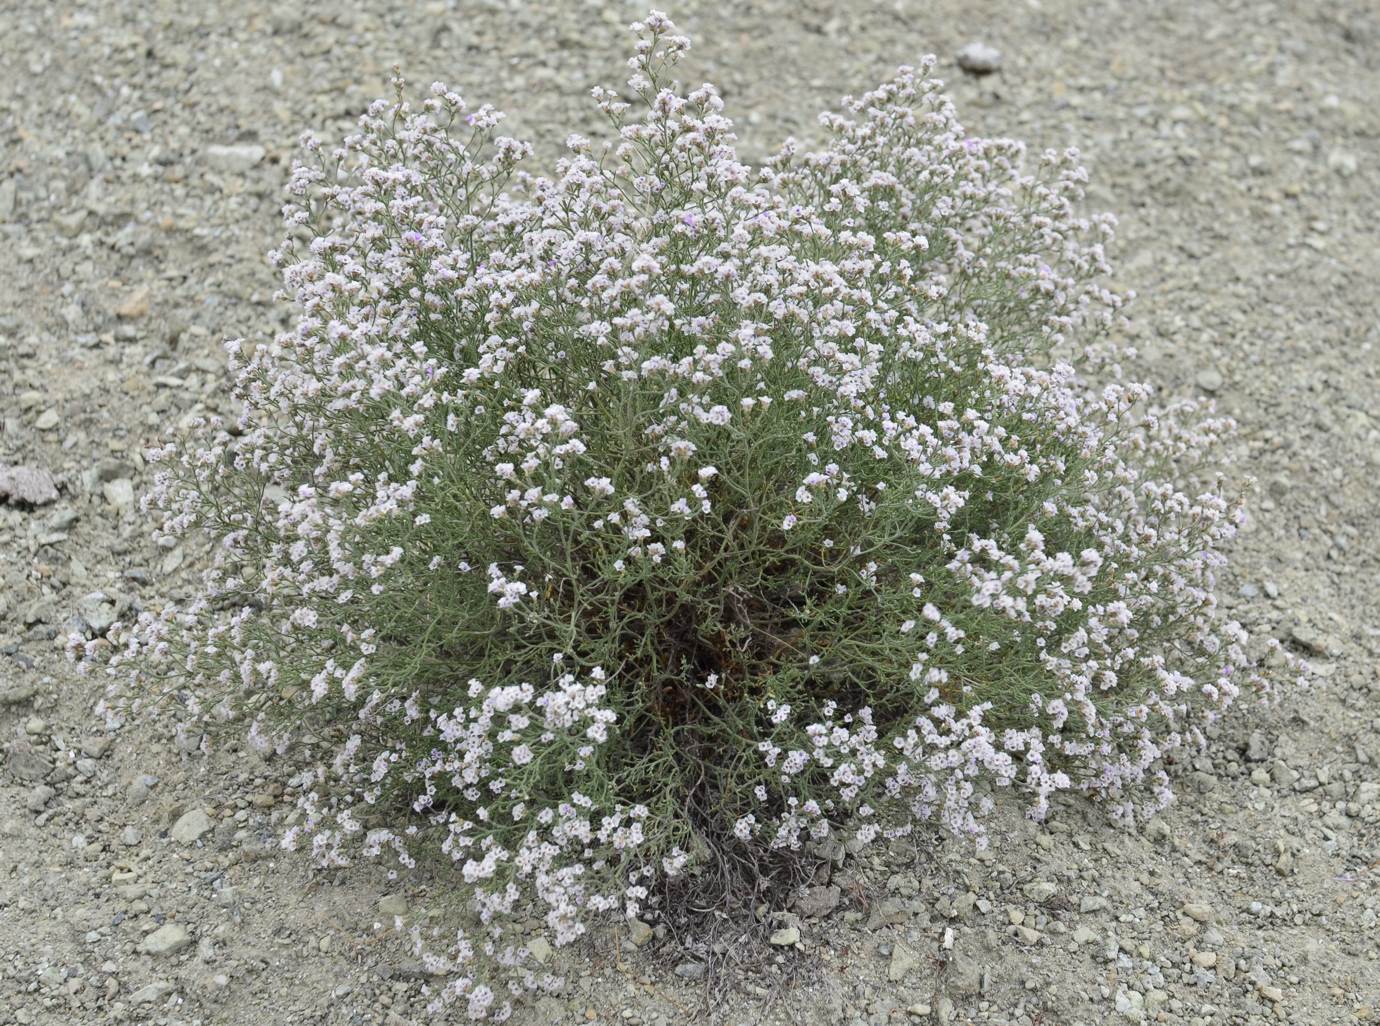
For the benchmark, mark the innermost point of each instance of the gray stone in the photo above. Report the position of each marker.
(32, 486)
(168, 939)
(1130, 1004)
(889, 912)
(1198, 911)
(1209, 380)
(391, 905)
(18, 695)
(1157, 830)
(815, 902)
(640, 933)
(691, 970)
(1285, 863)
(192, 826)
(135, 305)
(119, 493)
(140, 788)
(966, 977)
(540, 950)
(69, 223)
(1203, 781)
(903, 960)
(97, 611)
(1311, 640)
(37, 611)
(27, 763)
(234, 159)
(786, 937)
(1344, 163)
(39, 797)
(151, 993)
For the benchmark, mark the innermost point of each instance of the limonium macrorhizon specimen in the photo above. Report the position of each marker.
(660, 519)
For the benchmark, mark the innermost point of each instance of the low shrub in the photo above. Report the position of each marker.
(665, 518)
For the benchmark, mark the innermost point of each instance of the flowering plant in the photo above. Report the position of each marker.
(661, 518)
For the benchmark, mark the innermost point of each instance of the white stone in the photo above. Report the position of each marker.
(978, 58)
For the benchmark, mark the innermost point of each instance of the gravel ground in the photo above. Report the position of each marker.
(143, 147)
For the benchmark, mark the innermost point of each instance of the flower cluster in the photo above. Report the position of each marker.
(663, 516)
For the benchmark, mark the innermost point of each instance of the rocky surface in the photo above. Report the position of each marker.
(142, 150)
